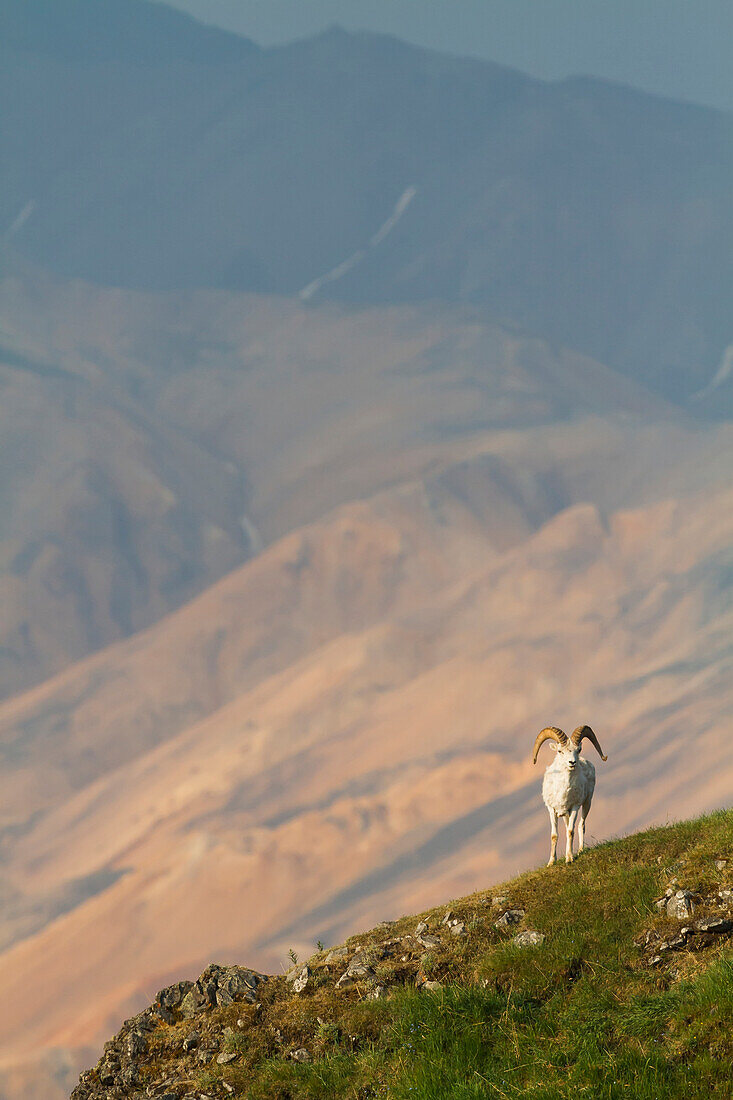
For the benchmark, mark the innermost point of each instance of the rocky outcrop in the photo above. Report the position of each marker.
(119, 1074)
(194, 1030)
(676, 930)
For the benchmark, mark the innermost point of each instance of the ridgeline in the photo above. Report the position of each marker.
(609, 978)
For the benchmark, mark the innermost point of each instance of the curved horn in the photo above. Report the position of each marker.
(549, 733)
(586, 731)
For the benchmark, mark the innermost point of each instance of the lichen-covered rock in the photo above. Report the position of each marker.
(509, 919)
(528, 938)
(428, 940)
(117, 1075)
(337, 954)
(301, 980)
(717, 925)
(674, 944)
(194, 1002)
(226, 1057)
(681, 905)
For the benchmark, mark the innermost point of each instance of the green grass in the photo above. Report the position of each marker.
(580, 1015)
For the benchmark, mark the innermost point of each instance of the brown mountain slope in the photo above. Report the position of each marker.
(457, 533)
(388, 763)
(371, 560)
(109, 519)
(149, 443)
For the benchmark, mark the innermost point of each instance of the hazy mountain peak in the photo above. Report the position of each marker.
(584, 211)
(106, 30)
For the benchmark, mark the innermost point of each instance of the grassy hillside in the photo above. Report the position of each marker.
(629, 993)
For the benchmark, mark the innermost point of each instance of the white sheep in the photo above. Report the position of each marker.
(568, 785)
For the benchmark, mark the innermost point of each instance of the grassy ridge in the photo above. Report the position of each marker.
(577, 1014)
(582, 1013)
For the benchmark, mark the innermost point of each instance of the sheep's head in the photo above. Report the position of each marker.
(566, 748)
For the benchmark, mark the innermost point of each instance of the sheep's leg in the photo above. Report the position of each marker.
(571, 819)
(553, 837)
(584, 811)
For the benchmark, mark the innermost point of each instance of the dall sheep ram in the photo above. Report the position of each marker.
(568, 785)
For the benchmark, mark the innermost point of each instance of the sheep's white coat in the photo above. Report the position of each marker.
(567, 791)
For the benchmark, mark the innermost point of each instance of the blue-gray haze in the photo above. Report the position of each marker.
(143, 149)
(677, 48)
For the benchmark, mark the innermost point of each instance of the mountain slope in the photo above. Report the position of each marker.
(110, 518)
(150, 443)
(385, 762)
(590, 214)
(567, 978)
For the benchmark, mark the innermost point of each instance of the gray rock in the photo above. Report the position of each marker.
(718, 925)
(528, 939)
(447, 918)
(172, 995)
(457, 928)
(431, 987)
(301, 1055)
(378, 993)
(511, 918)
(191, 1042)
(226, 1058)
(427, 940)
(721, 864)
(238, 982)
(193, 1003)
(681, 905)
(337, 954)
(359, 969)
(422, 927)
(674, 944)
(136, 1044)
(301, 980)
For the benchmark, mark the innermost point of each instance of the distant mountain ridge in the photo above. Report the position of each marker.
(149, 444)
(106, 30)
(587, 213)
